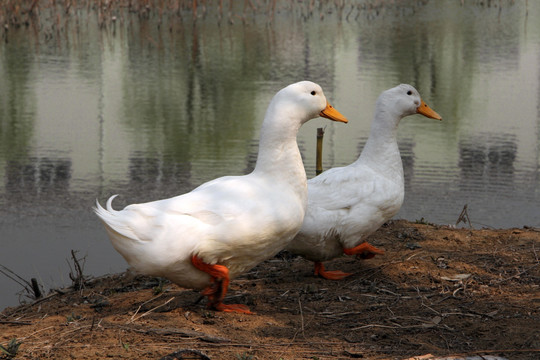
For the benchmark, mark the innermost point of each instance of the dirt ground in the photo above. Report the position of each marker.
(437, 292)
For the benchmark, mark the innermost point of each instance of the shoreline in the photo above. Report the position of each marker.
(437, 290)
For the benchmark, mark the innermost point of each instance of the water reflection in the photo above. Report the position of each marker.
(151, 174)
(17, 105)
(37, 176)
(487, 166)
(152, 104)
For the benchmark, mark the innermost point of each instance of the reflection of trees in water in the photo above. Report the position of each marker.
(17, 103)
(537, 162)
(442, 60)
(154, 174)
(37, 176)
(182, 79)
(486, 165)
(201, 95)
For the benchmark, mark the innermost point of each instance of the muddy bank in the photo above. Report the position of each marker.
(437, 290)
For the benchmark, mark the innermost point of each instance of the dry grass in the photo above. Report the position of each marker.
(456, 292)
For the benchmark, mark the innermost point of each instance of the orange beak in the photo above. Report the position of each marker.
(425, 110)
(331, 113)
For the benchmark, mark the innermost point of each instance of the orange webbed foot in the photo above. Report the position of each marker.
(237, 308)
(218, 289)
(330, 275)
(364, 250)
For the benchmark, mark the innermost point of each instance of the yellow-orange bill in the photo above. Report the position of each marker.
(331, 113)
(425, 110)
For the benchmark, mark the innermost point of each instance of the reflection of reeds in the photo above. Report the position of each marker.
(17, 13)
(318, 157)
(52, 16)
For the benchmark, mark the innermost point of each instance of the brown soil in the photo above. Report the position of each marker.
(437, 290)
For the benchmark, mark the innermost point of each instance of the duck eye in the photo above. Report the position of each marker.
(409, 92)
(313, 93)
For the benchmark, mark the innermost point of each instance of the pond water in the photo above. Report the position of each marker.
(149, 106)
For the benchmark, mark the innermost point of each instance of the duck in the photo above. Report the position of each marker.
(205, 238)
(346, 204)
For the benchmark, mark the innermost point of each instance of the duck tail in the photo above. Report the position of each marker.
(123, 237)
(111, 218)
(105, 214)
(109, 203)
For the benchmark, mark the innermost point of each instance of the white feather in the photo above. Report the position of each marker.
(236, 221)
(347, 204)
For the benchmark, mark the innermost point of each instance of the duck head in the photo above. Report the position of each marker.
(405, 100)
(307, 98)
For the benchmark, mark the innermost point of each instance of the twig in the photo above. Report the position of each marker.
(491, 351)
(413, 255)
(396, 326)
(133, 319)
(4, 270)
(185, 354)
(171, 331)
(464, 217)
(296, 332)
(461, 314)
(530, 228)
(389, 292)
(36, 332)
(35, 288)
(40, 300)
(78, 279)
(144, 303)
(329, 314)
(517, 275)
(301, 316)
(318, 157)
(430, 308)
(380, 326)
(8, 322)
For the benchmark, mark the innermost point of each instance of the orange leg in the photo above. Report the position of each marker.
(364, 250)
(330, 275)
(217, 291)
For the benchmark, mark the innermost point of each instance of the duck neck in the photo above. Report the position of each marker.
(279, 157)
(381, 151)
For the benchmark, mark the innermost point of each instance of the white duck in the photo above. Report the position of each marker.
(228, 225)
(346, 204)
